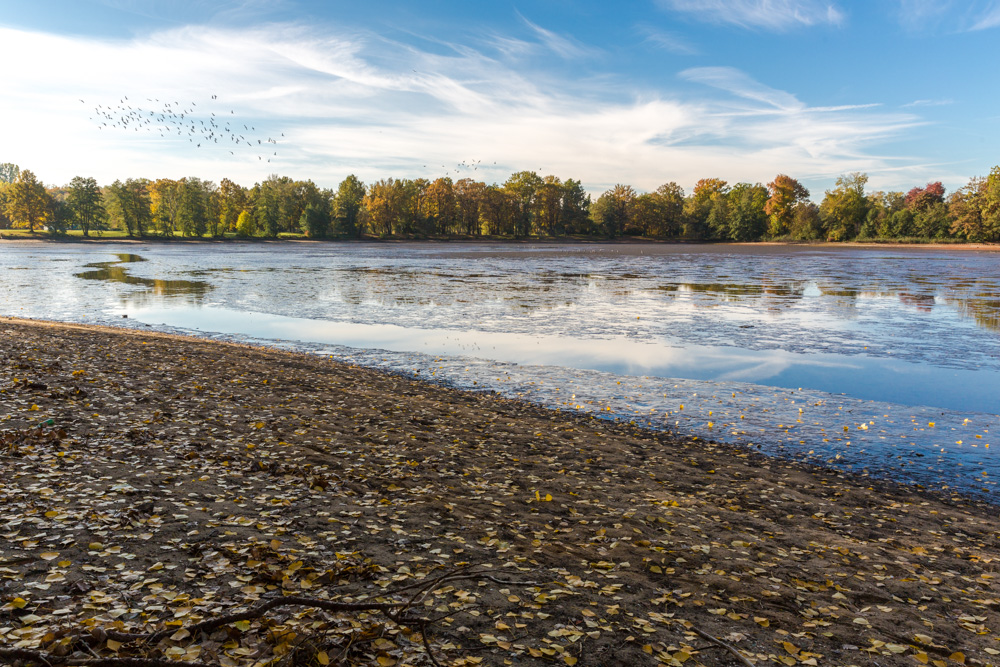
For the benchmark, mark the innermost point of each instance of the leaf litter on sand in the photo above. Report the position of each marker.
(180, 479)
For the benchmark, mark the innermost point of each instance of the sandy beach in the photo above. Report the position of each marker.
(152, 482)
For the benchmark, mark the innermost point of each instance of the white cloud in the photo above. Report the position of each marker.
(350, 102)
(775, 15)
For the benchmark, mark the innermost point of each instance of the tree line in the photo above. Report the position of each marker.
(525, 205)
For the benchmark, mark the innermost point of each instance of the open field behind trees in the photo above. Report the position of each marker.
(150, 485)
(525, 205)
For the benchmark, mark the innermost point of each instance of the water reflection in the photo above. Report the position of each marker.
(192, 291)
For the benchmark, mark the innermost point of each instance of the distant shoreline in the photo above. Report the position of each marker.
(621, 241)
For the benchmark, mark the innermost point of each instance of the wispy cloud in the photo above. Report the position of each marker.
(988, 18)
(928, 103)
(357, 102)
(668, 41)
(565, 47)
(743, 85)
(777, 15)
(950, 15)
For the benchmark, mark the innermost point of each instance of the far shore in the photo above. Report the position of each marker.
(22, 237)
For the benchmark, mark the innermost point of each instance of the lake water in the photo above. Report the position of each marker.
(882, 361)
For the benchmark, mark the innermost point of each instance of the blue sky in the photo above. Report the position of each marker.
(641, 93)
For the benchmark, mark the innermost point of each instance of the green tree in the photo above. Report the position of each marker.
(314, 222)
(614, 209)
(550, 207)
(87, 204)
(233, 200)
(129, 205)
(348, 205)
(523, 187)
(785, 193)
(245, 227)
(576, 205)
(806, 225)
(194, 206)
(845, 208)
(708, 194)
(975, 209)
(747, 217)
(60, 214)
(27, 202)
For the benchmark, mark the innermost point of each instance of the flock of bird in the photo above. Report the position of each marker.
(171, 119)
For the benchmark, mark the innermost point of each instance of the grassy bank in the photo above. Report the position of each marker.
(179, 479)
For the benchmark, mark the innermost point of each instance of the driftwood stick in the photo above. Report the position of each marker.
(721, 644)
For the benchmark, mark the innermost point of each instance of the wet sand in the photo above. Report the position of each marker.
(180, 477)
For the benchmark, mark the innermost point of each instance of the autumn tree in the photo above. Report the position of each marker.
(348, 204)
(164, 203)
(440, 206)
(468, 200)
(385, 202)
(27, 202)
(87, 204)
(845, 208)
(499, 210)
(919, 199)
(784, 194)
(549, 196)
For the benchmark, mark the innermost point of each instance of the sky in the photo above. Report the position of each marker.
(641, 93)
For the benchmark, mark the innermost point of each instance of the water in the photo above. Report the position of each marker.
(841, 356)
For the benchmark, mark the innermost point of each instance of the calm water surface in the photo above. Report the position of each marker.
(844, 356)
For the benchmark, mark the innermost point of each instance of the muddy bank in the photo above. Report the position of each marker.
(179, 478)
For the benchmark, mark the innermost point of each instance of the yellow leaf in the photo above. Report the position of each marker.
(569, 660)
(33, 408)
(761, 621)
(95, 546)
(386, 661)
(922, 658)
(113, 645)
(322, 658)
(242, 626)
(49, 555)
(18, 603)
(958, 657)
(790, 647)
(548, 497)
(259, 425)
